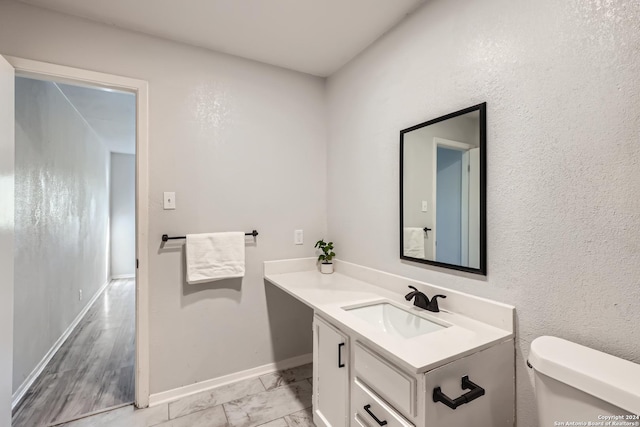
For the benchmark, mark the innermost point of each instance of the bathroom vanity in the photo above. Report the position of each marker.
(380, 361)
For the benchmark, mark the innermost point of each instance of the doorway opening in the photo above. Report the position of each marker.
(10, 67)
(74, 250)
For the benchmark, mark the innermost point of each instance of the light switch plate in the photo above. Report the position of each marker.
(169, 200)
(298, 237)
(424, 206)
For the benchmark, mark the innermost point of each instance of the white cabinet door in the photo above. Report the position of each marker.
(491, 369)
(330, 375)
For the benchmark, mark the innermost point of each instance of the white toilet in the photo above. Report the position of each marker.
(576, 385)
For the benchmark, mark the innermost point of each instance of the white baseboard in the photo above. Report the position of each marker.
(123, 276)
(180, 392)
(28, 382)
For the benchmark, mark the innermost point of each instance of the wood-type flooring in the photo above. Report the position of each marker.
(94, 368)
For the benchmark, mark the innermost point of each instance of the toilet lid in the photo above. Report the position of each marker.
(599, 374)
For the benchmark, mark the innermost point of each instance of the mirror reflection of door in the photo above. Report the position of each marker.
(456, 215)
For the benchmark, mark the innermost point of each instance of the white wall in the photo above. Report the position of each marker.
(561, 84)
(243, 145)
(123, 215)
(6, 237)
(61, 220)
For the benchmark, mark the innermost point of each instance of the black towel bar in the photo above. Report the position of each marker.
(165, 237)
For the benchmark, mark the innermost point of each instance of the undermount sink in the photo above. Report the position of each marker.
(394, 320)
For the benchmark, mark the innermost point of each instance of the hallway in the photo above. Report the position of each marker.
(94, 368)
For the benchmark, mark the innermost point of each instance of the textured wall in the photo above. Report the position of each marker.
(243, 145)
(61, 220)
(123, 214)
(561, 84)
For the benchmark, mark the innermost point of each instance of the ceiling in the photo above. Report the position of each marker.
(316, 37)
(111, 114)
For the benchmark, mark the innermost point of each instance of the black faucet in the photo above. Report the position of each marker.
(422, 301)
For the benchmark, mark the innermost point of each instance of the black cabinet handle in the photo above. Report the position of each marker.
(340, 364)
(475, 391)
(380, 423)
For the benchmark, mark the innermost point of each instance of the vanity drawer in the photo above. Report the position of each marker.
(392, 384)
(370, 410)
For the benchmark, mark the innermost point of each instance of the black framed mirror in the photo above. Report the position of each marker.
(443, 204)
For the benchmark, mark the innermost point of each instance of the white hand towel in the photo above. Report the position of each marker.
(413, 240)
(214, 256)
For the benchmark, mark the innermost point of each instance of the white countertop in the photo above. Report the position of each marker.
(327, 294)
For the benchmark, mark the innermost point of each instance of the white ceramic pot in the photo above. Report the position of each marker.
(326, 268)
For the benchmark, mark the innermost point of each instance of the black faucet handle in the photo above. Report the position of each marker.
(433, 304)
(413, 287)
(411, 294)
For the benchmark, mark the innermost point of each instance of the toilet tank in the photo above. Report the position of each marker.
(580, 386)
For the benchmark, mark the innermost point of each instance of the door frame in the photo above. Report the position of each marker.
(452, 145)
(7, 146)
(64, 74)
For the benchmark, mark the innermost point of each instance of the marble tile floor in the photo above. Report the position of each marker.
(279, 399)
(94, 368)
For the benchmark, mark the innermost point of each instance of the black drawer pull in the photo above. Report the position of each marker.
(380, 423)
(340, 364)
(475, 391)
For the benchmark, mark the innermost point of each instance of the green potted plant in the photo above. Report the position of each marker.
(326, 256)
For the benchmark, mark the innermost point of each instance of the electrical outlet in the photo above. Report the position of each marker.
(80, 295)
(298, 237)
